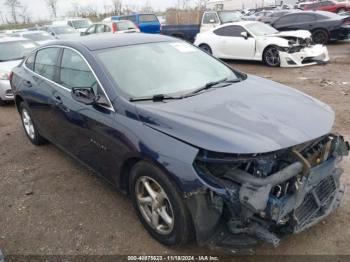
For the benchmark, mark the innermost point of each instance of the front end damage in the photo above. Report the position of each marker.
(263, 197)
(302, 52)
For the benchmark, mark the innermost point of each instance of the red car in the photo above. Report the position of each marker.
(330, 6)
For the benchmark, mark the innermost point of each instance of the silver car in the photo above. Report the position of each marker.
(12, 52)
(40, 37)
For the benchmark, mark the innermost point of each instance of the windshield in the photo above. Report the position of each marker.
(39, 36)
(166, 68)
(260, 29)
(77, 24)
(125, 25)
(15, 50)
(61, 30)
(227, 16)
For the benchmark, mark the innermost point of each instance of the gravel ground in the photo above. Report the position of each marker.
(50, 204)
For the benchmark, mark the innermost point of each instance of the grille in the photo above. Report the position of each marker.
(310, 208)
(325, 189)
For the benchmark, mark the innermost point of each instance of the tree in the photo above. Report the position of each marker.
(52, 5)
(146, 8)
(13, 5)
(117, 7)
(24, 14)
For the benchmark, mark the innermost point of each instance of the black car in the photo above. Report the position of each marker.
(324, 26)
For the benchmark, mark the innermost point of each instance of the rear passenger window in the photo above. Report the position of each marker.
(75, 72)
(148, 18)
(131, 18)
(305, 18)
(45, 62)
(30, 61)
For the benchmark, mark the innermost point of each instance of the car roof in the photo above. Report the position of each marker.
(32, 32)
(104, 41)
(7, 39)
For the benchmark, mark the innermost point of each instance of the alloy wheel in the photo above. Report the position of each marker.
(154, 205)
(272, 57)
(28, 124)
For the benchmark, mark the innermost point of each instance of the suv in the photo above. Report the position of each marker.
(147, 23)
(330, 6)
(80, 24)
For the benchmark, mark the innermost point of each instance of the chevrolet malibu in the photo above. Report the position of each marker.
(204, 151)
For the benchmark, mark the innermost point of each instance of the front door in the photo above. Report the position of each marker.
(233, 45)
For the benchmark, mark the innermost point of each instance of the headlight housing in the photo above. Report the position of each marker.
(4, 75)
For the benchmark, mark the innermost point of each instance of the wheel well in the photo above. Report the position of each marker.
(125, 172)
(321, 29)
(18, 101)
(267, 48)
(179, 35)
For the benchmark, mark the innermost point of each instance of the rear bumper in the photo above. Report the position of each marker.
(5, 90)
(307, 56)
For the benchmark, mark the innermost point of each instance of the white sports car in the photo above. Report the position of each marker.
(250, 40)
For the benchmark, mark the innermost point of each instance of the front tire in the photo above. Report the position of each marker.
(271, 56)
(29, 126)
(159, 205)
(206, 48)
(320, 36)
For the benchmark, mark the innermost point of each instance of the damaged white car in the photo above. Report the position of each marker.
(258, 41)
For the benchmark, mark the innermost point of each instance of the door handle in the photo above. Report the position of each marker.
(58, 100)
(27, 83)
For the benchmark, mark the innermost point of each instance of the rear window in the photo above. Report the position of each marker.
(125, 25)
(148, 18)
(15, 50)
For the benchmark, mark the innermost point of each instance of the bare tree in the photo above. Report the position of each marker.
(13, 5)
(201, 4)
(24, 14)
(146, 8)
(117, 6)
(52, 5)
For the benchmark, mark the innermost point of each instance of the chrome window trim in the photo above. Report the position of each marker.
(110, 107)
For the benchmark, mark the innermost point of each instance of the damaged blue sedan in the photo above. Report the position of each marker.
(205, 152)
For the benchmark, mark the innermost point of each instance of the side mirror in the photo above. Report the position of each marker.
(245, 35)
(84, 95)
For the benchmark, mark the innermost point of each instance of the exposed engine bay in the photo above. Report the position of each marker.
(267, 196)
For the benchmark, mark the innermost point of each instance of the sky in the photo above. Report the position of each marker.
(38, 9)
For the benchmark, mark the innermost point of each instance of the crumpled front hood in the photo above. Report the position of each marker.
(298, 34)
(253, 116)
(9, 65)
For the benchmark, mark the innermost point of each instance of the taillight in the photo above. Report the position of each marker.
(11, 76)
(114, 27)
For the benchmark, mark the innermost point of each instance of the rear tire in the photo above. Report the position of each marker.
(271, 56)
(206, 48)
(320, 36)
(2, 102)
(176, 227)
(29, 126)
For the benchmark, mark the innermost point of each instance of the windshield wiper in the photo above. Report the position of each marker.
(213, 84)
(155, 98)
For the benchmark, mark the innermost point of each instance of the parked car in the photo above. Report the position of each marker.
(271, 17)
(250, 40)
(118, 27)
(330, 6)
(40, 37)
(79, 24)
(61, 31)
(210, 19)
(324, 26)
(257, 16)
(12, 52)
(147, 23)
(204, 151)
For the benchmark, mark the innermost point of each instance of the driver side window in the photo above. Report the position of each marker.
(74, 72)
(210, 18)
(231, 30)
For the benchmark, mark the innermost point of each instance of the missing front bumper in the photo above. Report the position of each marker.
(307, 56)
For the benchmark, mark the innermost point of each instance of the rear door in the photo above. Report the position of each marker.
(287, 22)
(148, 23)
(231, 44)
(39, 87)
